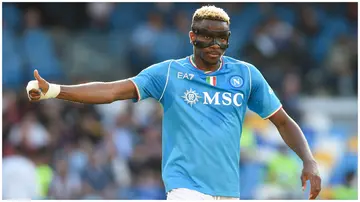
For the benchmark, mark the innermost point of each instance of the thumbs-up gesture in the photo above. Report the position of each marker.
(40, 89)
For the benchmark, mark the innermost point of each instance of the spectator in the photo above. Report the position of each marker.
(19, 178)
(39, 49)
(65, 185)
(97, 177)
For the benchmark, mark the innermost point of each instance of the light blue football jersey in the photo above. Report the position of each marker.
(203, 117)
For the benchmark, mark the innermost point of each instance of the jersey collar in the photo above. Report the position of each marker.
(205, 72)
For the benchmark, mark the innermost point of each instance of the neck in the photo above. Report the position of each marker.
(203, 65)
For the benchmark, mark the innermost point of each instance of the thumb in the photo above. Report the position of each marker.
(303, 182)
(37, 76)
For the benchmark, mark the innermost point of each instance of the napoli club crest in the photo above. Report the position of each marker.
(236, 81)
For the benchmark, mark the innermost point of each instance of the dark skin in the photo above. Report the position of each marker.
(107, 92)
(295, 139)
(202, 59)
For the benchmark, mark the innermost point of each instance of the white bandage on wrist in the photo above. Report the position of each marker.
(53, 92)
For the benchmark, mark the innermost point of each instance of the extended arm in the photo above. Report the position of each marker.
(98, 92)
(88, 93)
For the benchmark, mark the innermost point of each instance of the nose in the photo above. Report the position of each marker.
(216, 48)
(215, 45)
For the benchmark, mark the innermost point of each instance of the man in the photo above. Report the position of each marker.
(204, 98)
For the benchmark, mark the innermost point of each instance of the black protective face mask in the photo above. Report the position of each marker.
(215, 38)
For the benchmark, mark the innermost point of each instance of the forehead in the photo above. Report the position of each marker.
(212, 25)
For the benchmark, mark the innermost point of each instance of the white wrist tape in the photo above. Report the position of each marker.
(53, 92)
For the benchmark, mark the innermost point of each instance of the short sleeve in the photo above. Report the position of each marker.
(151, 82)
(262, 100)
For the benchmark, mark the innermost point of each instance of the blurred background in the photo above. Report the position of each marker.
(63, 150)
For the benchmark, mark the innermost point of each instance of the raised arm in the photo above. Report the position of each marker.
(88, 93)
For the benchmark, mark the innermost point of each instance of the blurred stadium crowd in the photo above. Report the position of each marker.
(113, 151)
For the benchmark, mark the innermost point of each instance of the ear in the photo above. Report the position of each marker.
(192, 36)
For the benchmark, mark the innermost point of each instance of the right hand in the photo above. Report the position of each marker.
(35, 94)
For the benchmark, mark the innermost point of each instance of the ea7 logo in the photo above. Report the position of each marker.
(181, 75)
(223, 99)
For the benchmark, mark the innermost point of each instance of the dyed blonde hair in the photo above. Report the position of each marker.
(211, 13)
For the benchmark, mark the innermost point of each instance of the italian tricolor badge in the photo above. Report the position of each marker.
(211, 80)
